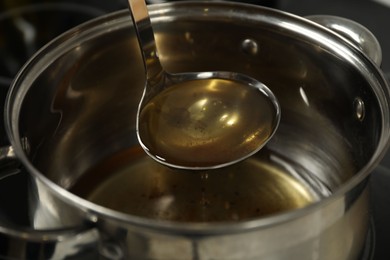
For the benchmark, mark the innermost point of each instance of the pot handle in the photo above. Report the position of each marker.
(9, 164)
(20, 241)
(353, 32)
(25, 243)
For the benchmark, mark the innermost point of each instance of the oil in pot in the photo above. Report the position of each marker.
(256, 187)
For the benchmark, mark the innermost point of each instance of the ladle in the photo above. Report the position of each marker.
(199, 120)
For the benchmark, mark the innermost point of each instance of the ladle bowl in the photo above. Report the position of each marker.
(199, 120)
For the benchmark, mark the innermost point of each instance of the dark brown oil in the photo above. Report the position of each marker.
(133, 183)
(206, 122)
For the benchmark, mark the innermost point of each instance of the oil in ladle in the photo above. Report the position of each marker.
(199, 120)
(206, 122)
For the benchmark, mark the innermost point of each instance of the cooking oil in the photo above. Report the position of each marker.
(257, 187)
(206, 122)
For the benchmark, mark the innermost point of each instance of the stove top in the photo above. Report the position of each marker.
(374, 15)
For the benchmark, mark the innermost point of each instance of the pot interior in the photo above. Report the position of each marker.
(81, 95)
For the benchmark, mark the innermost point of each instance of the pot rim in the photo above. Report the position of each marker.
(242, 11)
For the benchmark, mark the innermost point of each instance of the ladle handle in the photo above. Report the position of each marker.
(143, 27)
(354, 33)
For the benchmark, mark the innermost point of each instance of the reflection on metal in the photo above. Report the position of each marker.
(353, 32)
(304, 96)
(360, 109)
(250, 47)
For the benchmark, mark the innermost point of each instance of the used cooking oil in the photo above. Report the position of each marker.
(206, 122)
(133, 183)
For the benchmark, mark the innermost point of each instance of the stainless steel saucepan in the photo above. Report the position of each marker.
(70, 118)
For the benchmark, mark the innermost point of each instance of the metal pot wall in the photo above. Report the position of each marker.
(73, 105)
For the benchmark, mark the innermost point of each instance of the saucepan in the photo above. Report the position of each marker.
(70, 119)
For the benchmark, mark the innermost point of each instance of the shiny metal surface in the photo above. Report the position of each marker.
(81, 81)
(58, 244)
(359, 35)
(195, 140)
